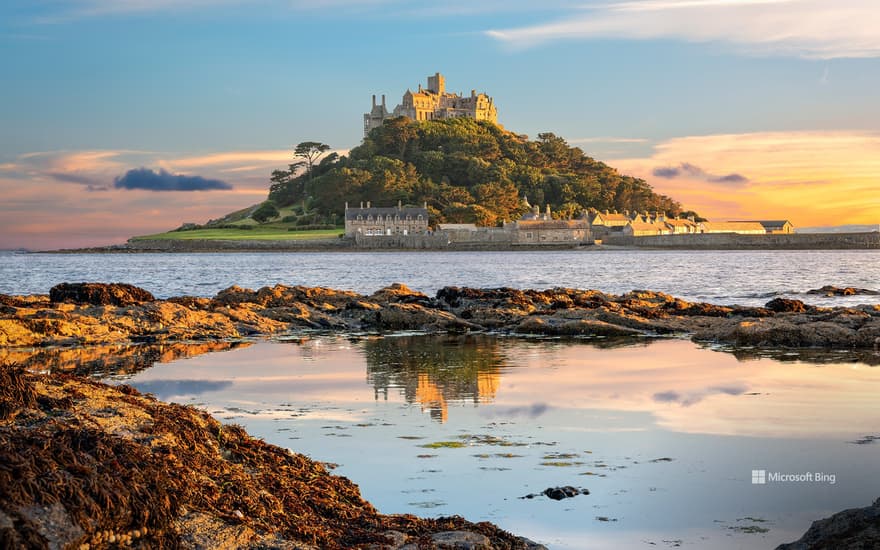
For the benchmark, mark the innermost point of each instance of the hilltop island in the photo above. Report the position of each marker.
(438, 172)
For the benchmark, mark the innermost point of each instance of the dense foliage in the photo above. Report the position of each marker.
(466, 171)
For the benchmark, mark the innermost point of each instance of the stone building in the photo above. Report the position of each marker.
(370, 221)
(607, 223)
(539, 228)
(774, 227)
(742, 228)
(433, 102)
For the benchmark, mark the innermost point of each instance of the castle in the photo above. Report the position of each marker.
(433, 102)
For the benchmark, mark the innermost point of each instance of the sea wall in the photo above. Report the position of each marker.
(733, 241)
(407, 242)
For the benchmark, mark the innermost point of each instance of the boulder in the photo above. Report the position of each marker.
(100, 294)
(461, 540)
(829, 290)
(785, 305)
(854, 528)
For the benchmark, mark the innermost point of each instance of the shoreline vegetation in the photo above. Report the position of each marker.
(127, 470)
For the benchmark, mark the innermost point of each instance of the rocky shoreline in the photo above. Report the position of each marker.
(84, 465)
(97, 313)
(127, 470)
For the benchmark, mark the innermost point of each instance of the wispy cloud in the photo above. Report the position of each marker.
(577, 141)
(817, 29)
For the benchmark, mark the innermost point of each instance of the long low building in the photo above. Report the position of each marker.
(373, 221)
(741, 228)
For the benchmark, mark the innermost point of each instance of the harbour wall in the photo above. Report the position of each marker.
(734, 241)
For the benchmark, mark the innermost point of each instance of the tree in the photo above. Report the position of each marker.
(310, 151)
(265, 212)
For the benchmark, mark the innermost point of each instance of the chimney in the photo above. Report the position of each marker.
(368, 204)
(399, 204)
(374, 101)
(425, 205)
(346, 205)
(362, 205)
(383, 100)
(473, 93)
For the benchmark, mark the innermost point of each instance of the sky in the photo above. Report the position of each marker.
(129, 117)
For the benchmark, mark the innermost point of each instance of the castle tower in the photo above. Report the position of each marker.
(437, 83)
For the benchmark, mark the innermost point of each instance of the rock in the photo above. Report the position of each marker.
(857, 528)
(829, 290)
(461, 540)
(398, 293)
(415, 317)
(784, 305)
(582, 327)
(105, 313)
(102, 294)
(559, 493)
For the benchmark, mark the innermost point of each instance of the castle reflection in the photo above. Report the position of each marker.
(435, 371)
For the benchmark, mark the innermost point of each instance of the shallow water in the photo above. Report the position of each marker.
(723, 277)
(665, 434)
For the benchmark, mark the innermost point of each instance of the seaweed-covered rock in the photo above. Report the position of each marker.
(829, 290)
(100, 294)
(857, 528)
(89, 465)
(785, 305)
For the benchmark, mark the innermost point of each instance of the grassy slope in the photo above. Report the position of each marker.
(258, 233)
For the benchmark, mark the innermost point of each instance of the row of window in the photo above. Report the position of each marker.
(377, 232)
(388, 218)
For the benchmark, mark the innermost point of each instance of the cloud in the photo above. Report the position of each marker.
(170, 389)
(686, 169)
(74, 178)
(607, 140)
(695, 396)
(144, 178)
(816, 29)
(530, 411)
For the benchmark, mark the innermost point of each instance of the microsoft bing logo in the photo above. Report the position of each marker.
(759, 477)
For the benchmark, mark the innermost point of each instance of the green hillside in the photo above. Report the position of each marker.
(466, 171)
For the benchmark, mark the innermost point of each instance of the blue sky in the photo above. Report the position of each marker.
(782, 91)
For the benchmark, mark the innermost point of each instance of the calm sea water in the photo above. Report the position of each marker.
(664, 434)
(724, 277)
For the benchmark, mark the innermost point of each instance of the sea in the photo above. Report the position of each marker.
(677, 444)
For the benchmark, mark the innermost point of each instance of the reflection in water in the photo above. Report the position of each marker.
(107, 361)
(804, 355)
(432, 371)
(656, 431)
